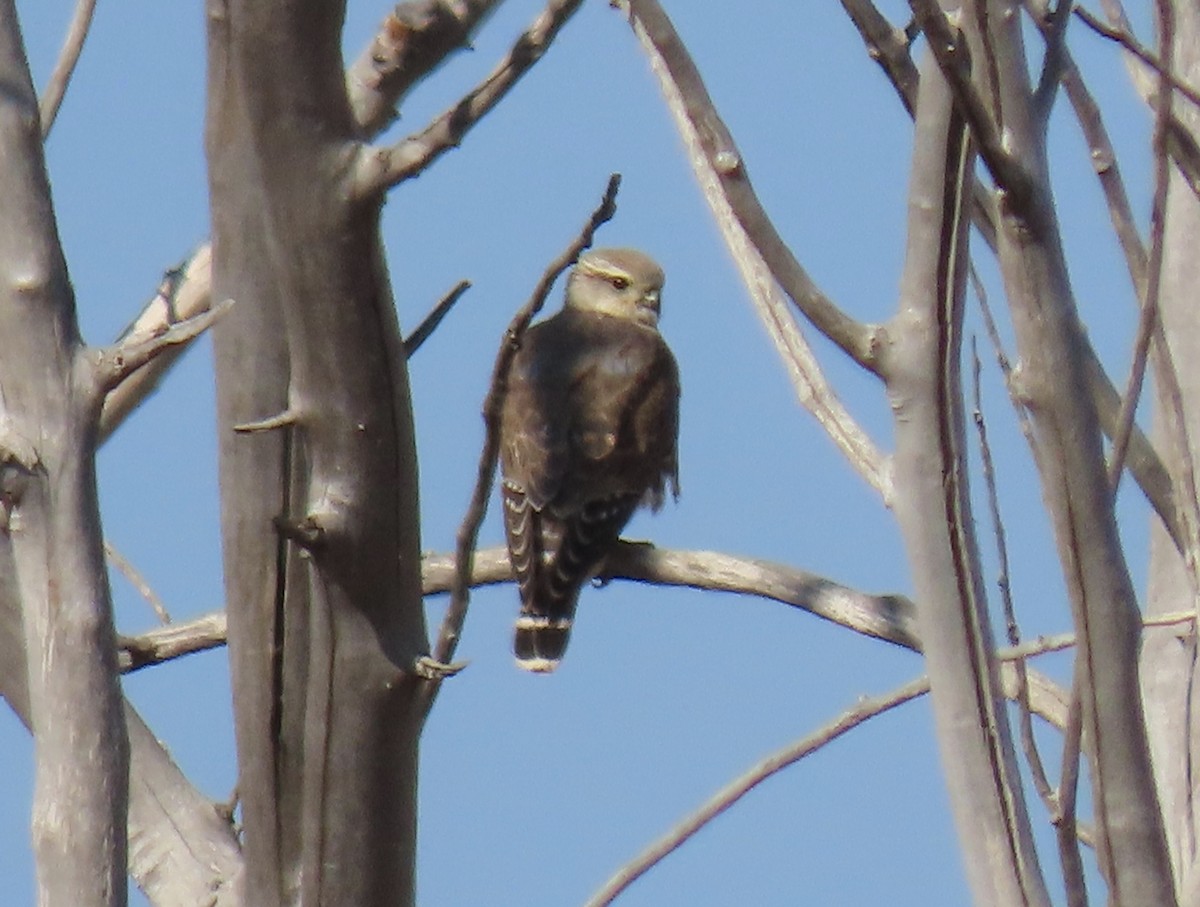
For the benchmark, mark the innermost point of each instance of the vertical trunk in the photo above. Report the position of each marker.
(1169, 656)
(319, 504)
(932, 505)
(50, 537)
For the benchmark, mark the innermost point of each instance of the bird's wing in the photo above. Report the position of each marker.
(534, 433)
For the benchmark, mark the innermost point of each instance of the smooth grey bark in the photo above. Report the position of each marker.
(182, 852)
(921, 366)
(1169, 667)
(50, 539)
(319, 513)
(1130, 838)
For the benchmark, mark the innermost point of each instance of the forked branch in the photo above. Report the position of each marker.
(383, 167)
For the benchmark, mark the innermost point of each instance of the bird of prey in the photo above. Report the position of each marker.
(588, 432)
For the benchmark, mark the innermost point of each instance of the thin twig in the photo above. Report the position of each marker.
(138, 581)
(380, 168)
(116, 363)
(1148, 315)
(863, 711)
(68, 59)
(429, 323)
(1064, 817)
(1012, 628)
(1121, 35)
(468, 532)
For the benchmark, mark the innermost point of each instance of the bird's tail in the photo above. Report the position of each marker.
(539, 641)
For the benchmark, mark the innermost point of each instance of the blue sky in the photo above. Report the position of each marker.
(534, 790)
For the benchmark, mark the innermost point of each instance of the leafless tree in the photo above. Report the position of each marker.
(333, 668)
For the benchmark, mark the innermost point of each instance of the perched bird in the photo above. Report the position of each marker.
(588, 432)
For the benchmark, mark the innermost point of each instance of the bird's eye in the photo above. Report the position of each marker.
(619, 283)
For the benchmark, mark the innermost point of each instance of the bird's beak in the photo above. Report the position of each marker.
(650, 301)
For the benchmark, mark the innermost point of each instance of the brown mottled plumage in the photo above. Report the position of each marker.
(588, 433)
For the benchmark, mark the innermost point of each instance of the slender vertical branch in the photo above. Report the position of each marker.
(922, 370)
(1072, 469)
(49, 404)
(68, 59)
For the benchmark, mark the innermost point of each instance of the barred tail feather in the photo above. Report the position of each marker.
(539, 642)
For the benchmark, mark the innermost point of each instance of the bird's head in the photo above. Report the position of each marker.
(622, 283)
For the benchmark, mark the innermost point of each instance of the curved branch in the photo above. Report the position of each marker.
(735, 207)
(695, 112)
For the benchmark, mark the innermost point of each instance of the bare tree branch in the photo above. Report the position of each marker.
(1123, 36)
(922, 367)
(132, 352)
(183, 294)
(60, 78)
(887, 46)
(414, 38)
(430, 322)
(1148, 316)
(865, 709)
(692, 106)
(406, 54)
(888, 617)
(954, 59)
(1104, 606)
(55, 561)
(891, 618)
(862, 711)
(887, 43)
(1025, 724)
(138, 581)
(1064, 816)
(383, 167)
(173, 641)
(811, 387)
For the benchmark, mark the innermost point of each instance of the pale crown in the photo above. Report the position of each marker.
(622, 283)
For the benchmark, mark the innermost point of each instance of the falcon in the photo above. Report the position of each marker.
(588, 433)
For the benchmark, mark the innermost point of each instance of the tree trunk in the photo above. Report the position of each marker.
(319, 496)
